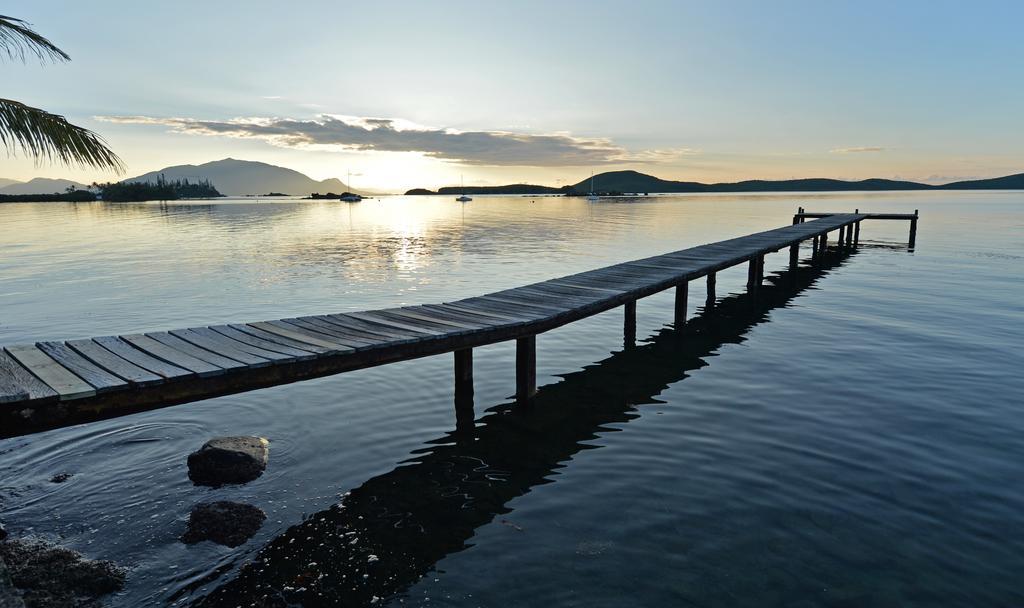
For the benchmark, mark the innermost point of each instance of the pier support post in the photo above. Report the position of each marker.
(629, 325)
(841, 241)
(464, 415)
(526, 368)
(682, 293)
(710, 302)
(794, 256)
(823, 243)
(849, 236)
(856, 234)
(814, 248)
(913, 231)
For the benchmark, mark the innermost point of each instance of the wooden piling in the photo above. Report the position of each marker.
(710, 302)
(794, 256)
(856, 234)
(463, 373)
(629, 325)
(913, 230)
(526, 368)
(682, 293)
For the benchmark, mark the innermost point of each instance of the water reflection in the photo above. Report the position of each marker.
(389, 532)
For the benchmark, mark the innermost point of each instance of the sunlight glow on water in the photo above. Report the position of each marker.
(858, 440)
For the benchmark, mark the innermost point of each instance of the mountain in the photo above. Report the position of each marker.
(241, 177)
(41, 185)
(634, 181)
(4, 182)
(1010, 182)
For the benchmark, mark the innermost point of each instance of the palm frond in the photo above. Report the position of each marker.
(18, 39)
(49, 136)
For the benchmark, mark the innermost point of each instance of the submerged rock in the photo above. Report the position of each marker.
(49, 576)
(3, 531)
(9, 596)
(223, 522)
(60, 477)
(229, 460)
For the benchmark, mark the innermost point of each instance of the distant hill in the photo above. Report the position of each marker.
(1010, 182)
(634, 181)
(4, 182)
(508, 189)
(242, 177)
(41, 185)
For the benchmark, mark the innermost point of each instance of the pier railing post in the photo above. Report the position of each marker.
(682, 293)
(629, 325)
(526, 368)
(913, 231)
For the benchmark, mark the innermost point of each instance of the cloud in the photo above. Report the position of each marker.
(858, 149)
(491, 148)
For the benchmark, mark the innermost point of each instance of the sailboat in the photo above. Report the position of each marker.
(592, 197)
(463, 198)
(350, 197)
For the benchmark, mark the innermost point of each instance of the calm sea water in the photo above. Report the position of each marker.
(853, 438)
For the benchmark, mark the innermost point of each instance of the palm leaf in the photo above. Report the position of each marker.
(17, 39)
(49, 136)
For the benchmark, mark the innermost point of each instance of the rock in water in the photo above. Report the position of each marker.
(229, 460)
(223, 522)
(9, 596)
(51, 576)
(3, 531)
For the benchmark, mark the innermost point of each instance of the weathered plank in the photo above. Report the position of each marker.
(66, 384)
(96, 376)
(198, 352)
(286, 331)
(222, 346)
(382, 319)
(348, 320)
(119, 366)
(172, 355)
(349, 333)
(274, 338)
(129, 353)
(334, 334)
(18, 385)
(273, 350)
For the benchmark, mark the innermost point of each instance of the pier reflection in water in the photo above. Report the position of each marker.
(389, 532)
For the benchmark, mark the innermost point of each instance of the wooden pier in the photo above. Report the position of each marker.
(48, 384)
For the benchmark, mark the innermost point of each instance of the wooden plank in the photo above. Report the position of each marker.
(129, 353)
(17, 385)
(273, 338)
(417, 313)
(223, 346)
(172, 355)
(370, 317)
(396, 333)
(400, 316)
(444, 311)
(522, 301)
(275, 350)
(370, 338)
(200, 353)
(119, 366)
(296, 333)
(66, 384)
(330, 334)
(97, 377)
(492, 314)
(499, 309)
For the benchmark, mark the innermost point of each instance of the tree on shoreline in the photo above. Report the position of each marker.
(38, 133)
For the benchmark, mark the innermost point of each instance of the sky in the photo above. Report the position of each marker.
(406, 94)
